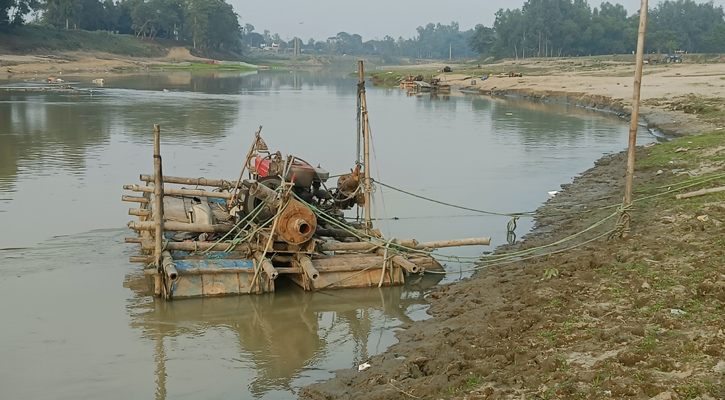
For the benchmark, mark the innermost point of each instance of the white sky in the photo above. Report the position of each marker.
(374, 19)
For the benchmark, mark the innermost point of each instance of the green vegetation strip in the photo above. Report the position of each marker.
(200, 66)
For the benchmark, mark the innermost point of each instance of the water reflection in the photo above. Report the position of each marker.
(38, 130)
(277, 339)
(65, 155)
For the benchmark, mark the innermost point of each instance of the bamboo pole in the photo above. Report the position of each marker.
(202, 246)
(366, 141)
(350, 268)
(701, 192)
(137, 240)
(179, 226)
(188, 181)
(159, 199)
(635, 114)
(482, 241)
(231, 270)
(246, 162)
(141, 212)
(270, 239)
(136, 199)
(344, 246)
(183, 192)
(232, 256)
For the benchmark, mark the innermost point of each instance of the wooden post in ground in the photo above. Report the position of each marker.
(159, 202)
(635, 114)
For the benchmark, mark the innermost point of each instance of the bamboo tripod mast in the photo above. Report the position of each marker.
(635, 115)
(366, 144)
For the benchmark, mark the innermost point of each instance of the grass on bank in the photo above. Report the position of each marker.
(38, 38)
(681, 153)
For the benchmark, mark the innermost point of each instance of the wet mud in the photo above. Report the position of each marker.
(627, 318)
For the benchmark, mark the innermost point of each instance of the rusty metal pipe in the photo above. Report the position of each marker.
(269, 269)
(264, 193)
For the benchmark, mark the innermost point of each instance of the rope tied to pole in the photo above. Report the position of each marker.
(621, 228)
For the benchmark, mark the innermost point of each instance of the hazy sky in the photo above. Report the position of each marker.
(373, 19)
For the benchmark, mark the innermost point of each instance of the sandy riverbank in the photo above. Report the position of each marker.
(635, 318)
(20, 67)
(666, 88)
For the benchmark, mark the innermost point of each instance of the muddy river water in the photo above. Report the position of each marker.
(77, 320)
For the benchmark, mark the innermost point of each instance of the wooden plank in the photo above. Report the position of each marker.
(701, 192)
(141, 212)
(136, 199)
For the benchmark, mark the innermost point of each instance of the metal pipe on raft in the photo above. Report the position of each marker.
(309, 269)
(406, 265)
(361, 246)
(266, 265)
(189, 181)
(181, 192)
(269, 269)
(169, 267)
(263, 193)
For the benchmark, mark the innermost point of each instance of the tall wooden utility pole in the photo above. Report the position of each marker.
(635, 114)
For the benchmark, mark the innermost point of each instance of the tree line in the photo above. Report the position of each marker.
(554, 28)
(540, 28)
(202, 23)
(433, 41)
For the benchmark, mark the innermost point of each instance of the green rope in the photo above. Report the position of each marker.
(522, 214)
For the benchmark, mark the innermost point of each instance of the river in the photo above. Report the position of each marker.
(78, 321)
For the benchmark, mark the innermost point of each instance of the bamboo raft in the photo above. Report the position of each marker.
(237, 237)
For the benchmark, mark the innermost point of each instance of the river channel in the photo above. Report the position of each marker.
(78, 321)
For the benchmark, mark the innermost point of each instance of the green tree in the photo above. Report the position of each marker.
(213, 23)
(13, 12)
(482, 40)
(714, 39)
(62, 13)
(686, 23)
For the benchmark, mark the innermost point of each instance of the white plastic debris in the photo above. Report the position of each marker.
(677, 311)
(363, 366)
